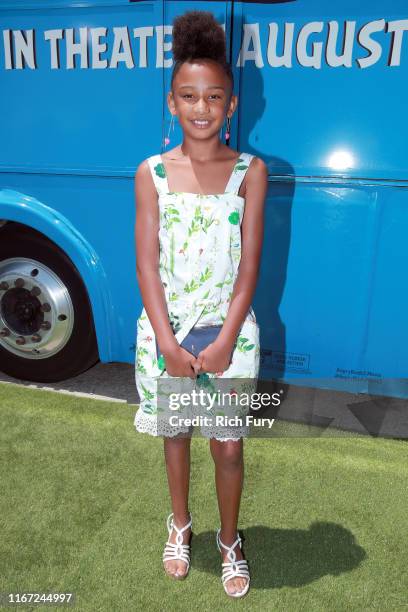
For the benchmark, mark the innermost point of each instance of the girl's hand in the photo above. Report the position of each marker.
(214, 358)
(180, 362)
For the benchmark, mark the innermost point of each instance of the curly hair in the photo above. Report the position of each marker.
(198, 35)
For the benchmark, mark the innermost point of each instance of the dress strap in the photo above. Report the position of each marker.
(238, 173)
(158, 173)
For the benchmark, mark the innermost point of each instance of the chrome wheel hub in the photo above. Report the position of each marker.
(36, 311)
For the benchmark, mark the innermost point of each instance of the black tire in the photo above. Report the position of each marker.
(80, 351)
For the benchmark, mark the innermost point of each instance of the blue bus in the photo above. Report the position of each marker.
(322, 94)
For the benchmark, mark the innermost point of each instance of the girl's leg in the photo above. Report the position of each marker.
(229, 478)
(177, 457)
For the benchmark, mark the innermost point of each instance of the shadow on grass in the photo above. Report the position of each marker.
(278, 557)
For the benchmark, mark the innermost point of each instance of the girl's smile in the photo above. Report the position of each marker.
(200, 124)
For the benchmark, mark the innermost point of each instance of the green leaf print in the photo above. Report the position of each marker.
(148, 395)
(149, 409)
(243, 346)
(172, 247)
(203, 380)
(191, 286)
(234, 218)
(195, 284)
(170, 216)
(212, 307)
(199, 222)
(204, 276)
(207, 222)
(227, 281)
(160, 170)
(195, 222)
(174, 321)
(141, 351)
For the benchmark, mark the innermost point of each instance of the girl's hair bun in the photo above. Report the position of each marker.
(197, 34)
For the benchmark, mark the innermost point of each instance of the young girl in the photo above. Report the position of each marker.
(197, 257)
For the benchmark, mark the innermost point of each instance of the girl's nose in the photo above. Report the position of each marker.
(202, 106)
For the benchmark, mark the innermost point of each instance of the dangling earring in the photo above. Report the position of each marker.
(171, 127)
(228, 130)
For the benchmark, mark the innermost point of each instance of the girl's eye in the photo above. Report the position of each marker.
(212, 96)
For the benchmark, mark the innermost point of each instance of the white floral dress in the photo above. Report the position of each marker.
(200, 251)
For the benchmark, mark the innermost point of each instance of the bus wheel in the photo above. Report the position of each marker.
(47, 332)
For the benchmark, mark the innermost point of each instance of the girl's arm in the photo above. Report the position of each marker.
(147, 258)
(252, 229)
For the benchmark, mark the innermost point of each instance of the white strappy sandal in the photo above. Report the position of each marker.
(233, 568)
(178, 550)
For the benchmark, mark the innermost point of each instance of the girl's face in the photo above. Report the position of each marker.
(201, 91)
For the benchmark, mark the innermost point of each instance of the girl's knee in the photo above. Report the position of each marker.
(180, 439)
(227, 454)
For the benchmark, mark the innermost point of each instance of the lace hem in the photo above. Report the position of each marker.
(146, 423)
(226, 434)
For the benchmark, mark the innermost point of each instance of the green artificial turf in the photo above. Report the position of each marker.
(84, 501)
